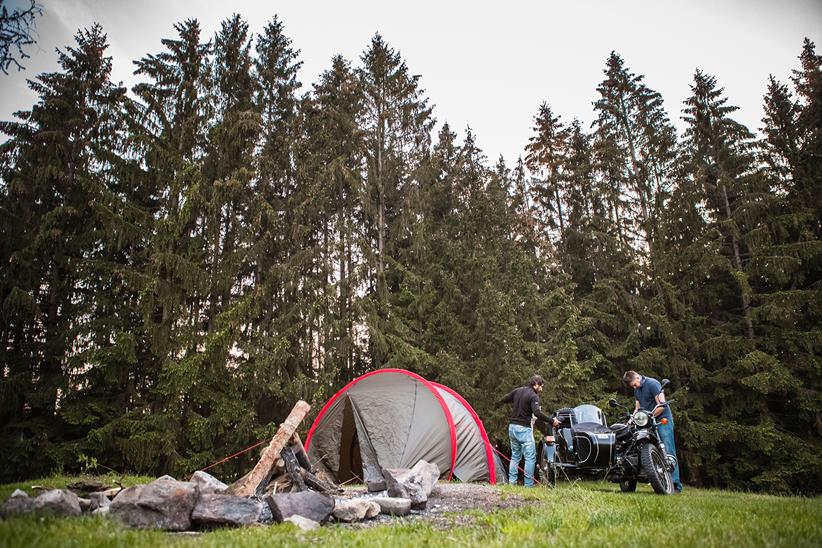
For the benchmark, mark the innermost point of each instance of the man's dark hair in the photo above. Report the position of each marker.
(629, 376)
(536, 380)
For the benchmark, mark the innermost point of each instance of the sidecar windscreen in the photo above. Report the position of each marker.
(587, 413)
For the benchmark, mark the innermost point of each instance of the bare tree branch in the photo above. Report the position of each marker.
(16, 32)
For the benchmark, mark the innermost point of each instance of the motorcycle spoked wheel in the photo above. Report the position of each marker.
(548, 471)
(653, 464)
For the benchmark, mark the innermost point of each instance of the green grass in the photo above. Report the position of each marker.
(584, 514)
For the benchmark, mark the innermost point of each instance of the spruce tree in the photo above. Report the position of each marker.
(336, 145)
(276, 335)
(634, 142)
(808, 85)
(718, 153)
(737, 268)
(215, 418)
(546, 158)
(55, 200)
(170, 125)
(396, 121)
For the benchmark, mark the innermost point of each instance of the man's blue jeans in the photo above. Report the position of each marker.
(522, 445)
(666, 435)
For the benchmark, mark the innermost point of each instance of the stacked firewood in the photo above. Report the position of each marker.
(293, 472)
(284, 466)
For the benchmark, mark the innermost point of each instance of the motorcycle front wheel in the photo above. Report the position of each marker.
(653, 464)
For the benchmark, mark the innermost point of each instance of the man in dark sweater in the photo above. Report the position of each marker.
(525, 401)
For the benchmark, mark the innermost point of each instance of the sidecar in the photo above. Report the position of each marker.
(581, 445)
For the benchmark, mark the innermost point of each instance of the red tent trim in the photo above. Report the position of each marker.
(492, 469)
(452, 429)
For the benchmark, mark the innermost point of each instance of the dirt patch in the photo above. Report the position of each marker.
(445, 504)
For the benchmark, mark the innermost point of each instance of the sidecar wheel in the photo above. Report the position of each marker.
(627, 486)
(653, 464)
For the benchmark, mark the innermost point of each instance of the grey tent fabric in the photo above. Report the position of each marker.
(390, 420)
(472, 459)
(393, 418)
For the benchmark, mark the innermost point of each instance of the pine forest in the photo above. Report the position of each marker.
(183, 260)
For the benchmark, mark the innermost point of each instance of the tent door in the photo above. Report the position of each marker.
(350, 459)
(358, 459)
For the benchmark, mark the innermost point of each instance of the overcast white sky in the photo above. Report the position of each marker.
(484, 64)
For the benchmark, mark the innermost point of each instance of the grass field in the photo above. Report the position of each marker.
(583, 514)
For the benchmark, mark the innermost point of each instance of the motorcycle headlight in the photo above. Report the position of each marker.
(640, 418)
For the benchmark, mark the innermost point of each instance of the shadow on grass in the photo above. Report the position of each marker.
(643, 490)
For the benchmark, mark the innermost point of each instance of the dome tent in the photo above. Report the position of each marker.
(392, 418)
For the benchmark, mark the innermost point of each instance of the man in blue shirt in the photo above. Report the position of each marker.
(648, 392)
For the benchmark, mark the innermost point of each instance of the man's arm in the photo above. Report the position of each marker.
(556, 421)
(636, 407)
(507, 398)
(660, 398)
(536, 410)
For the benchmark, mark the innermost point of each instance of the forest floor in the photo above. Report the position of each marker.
(573, 514)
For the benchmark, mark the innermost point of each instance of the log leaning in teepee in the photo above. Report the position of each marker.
(292, 468)
(315, 483)
(299, 451)
(255, 481)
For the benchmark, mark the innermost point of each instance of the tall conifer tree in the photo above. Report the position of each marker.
(54, 199)
(396, 120)
(170, 121)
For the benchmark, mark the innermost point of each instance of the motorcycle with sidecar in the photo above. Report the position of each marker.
(625, 453)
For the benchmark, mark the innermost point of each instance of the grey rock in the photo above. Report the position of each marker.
(99, 500)
(216, 509)
(308, 504)
(376, 485)
(61, 502)
(373, 510)
(207, 483)
(102, 511)
(394, 506)
(165, 478)
(415, 484)
(303, 523)
(355, 509)
(18, 503)
(266, 517)
(161, 504)
(113, 492)
(85, 504)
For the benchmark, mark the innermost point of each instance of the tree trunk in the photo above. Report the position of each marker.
(381, 209)
(559, 211)
(746, 298)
